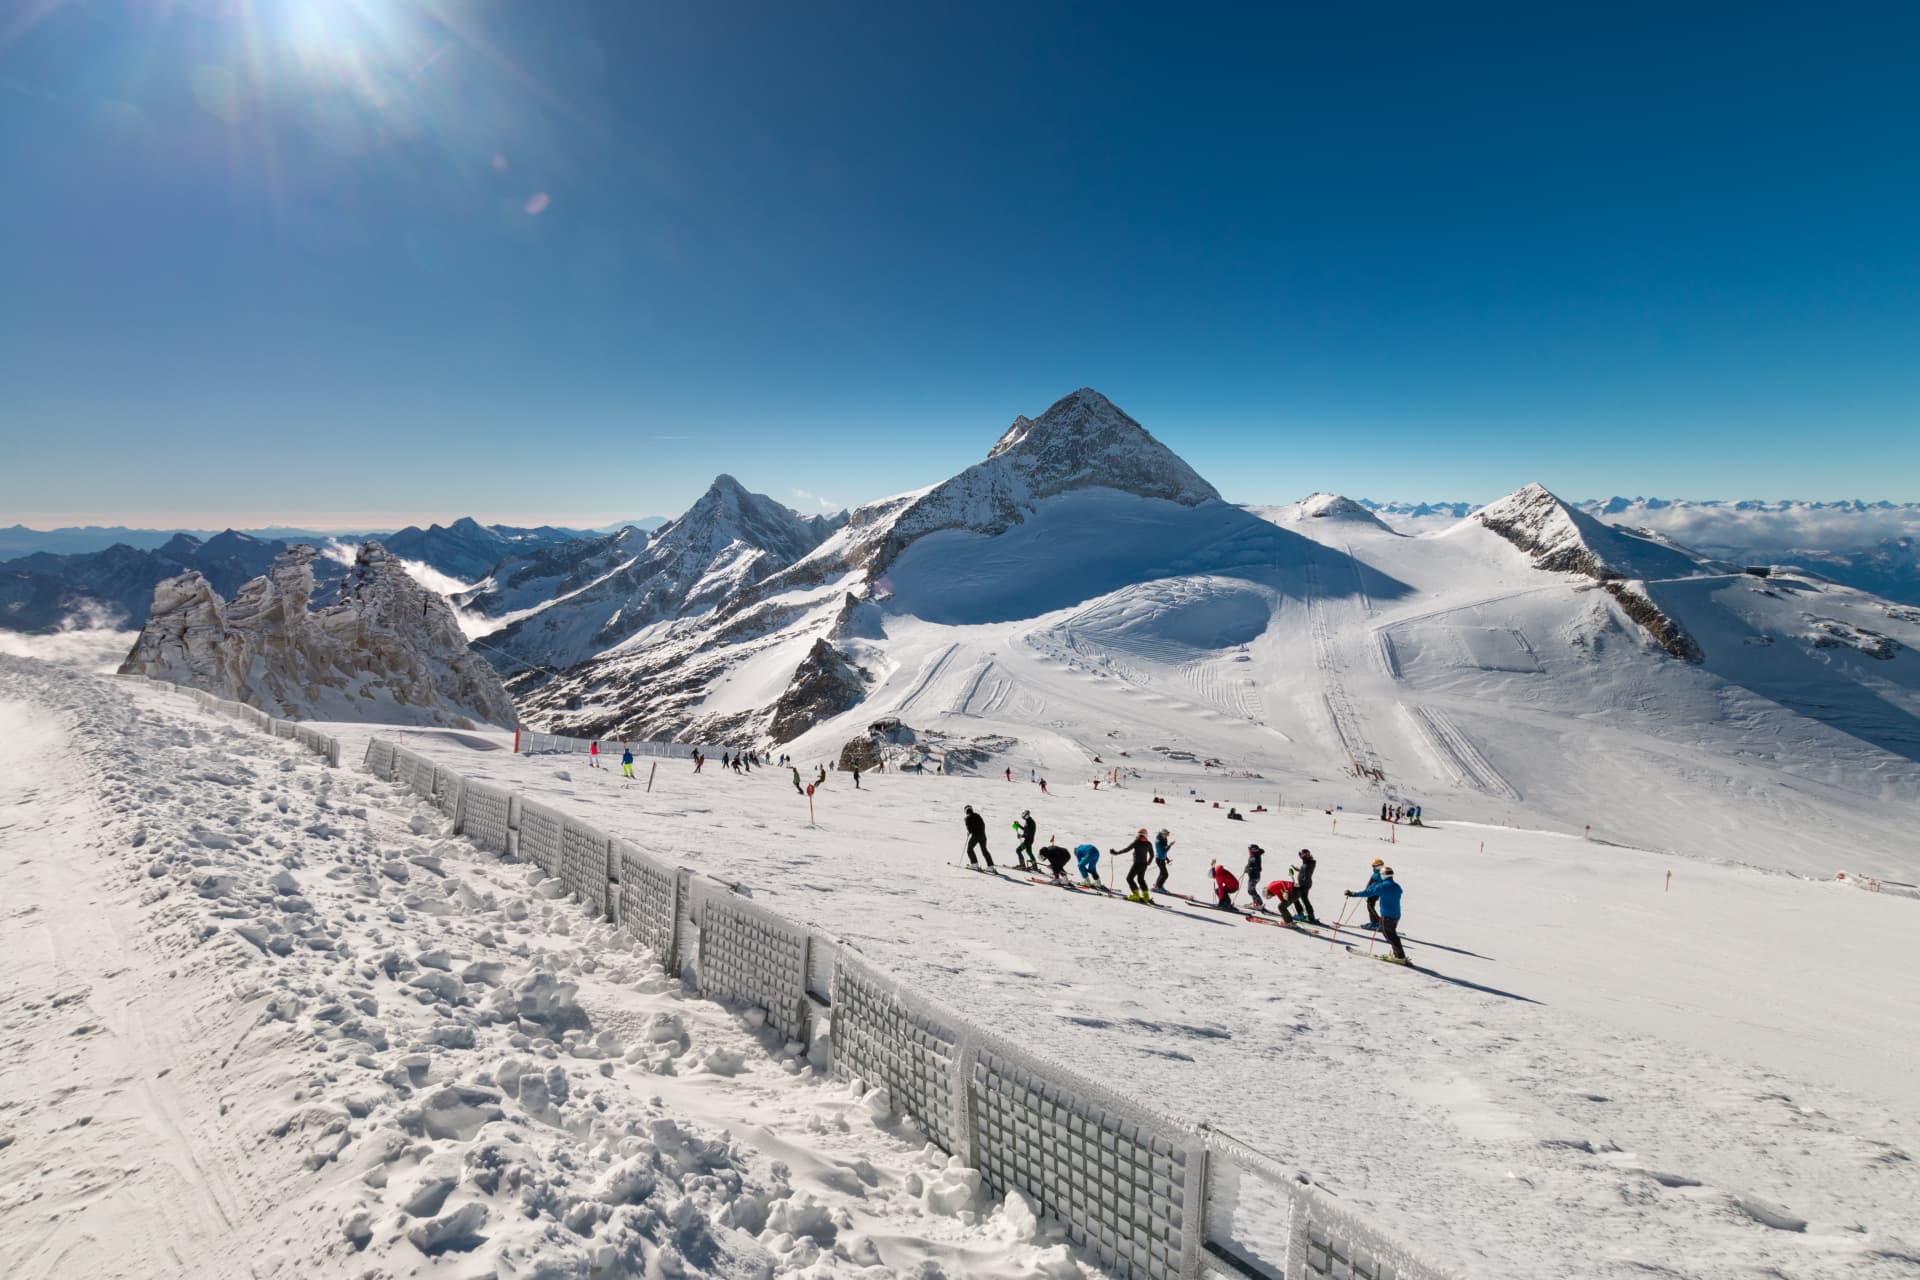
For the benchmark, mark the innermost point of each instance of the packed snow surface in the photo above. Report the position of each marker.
(1595, 1073)
(263, 1018)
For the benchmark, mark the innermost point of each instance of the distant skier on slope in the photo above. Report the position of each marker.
(1056, 856)
(1302, 884)
(593, 755)
(1142, 850)
(1387, 893)
(797, 788)
(977, 837)
(1087, 859)
(856, 777)
(1224, 886)
(626, 760)
(1162, 847)
(699, 762)
(1026, 828)
(1254, 854)
(1373, 912)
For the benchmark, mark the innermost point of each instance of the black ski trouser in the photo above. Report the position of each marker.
(1390, 930)
(1023, 852)
(1161, 881)
(1298, 901)
(1373, 912)
(981, 842)
(1137, 874)
(1057, 864)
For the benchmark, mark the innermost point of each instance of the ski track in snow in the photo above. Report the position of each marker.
(264, 1018)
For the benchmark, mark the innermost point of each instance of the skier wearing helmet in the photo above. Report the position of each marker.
(1025, 828)
(1254, 854)
(1162, 846)
(1373, 912)
(1387, 892)
(1302, 882)
(1142, 850)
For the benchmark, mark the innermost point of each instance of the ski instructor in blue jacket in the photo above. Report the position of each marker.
(1386, 892)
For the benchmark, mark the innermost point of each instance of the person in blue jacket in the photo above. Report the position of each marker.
(1373, 912)
(1088, 858)
(626, 760)
(1387, 893)
(1162, 846)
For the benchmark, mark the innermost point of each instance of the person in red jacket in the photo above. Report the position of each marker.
(1225, 884)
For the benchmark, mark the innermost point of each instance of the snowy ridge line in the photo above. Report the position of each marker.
(1146, 1195)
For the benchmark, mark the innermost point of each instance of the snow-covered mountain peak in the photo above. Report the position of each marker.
(1331, 506)
(728, 513)
(1084, 440)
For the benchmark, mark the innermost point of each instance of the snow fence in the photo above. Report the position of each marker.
(320, 744)
(529, 743)
(1144, 1195)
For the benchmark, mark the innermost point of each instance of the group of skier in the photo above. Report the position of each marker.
(1289, 898)
(1407, 813)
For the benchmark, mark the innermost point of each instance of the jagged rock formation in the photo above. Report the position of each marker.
(386, 649)
(825, 684)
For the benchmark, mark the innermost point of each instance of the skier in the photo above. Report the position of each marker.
(726, 759)
(698, 761)
(1023, 852)
(1043, 788)
(1387, 893)
(1009, 773)
(1302, 883)
(1162, 846)
(1087, 858)
(856, 777)
(1254, 854)
(593, 755)
(1233, 815)
(977, 835)
(1373, 913)
(1142, 850)
(1277, 891)
(1414, 821)
(1056, 856)
(797, 788)
(1224, 885)
(1383, 811)
(626, 760)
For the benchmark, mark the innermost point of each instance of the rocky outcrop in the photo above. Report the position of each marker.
(1562, 540)
(825, 684)
(386, 649)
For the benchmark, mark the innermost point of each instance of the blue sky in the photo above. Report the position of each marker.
(361, 261)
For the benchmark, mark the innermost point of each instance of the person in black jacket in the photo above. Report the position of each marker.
(1254, 854)
(1142, 851)
(1023, 852)
(977, 836)
(1302, 882)
(1056, 856)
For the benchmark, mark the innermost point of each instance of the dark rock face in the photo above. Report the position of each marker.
(824, 685)
(1665, 631)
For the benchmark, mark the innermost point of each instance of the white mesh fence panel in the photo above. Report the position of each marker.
(1125, 1183)
(447, 786)
(889, 1039)
(380, 759)
(541, 836)
(1330, 1243)
(483, 815)
(420, 773)
(583, 863)
(283, 728)
(1250, 1210)
(649, 903)
(748, 953)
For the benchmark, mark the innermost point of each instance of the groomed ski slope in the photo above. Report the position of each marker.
(262, 1019)
(1598, 1076)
